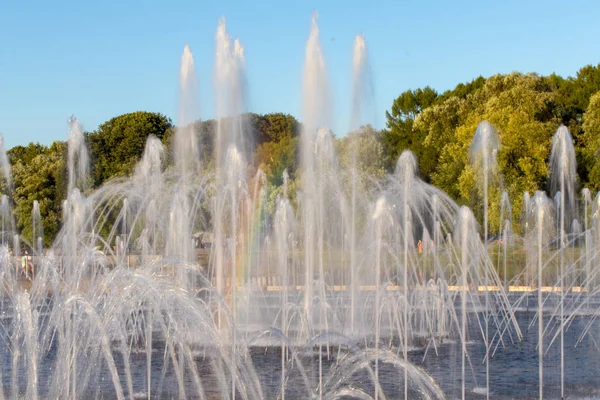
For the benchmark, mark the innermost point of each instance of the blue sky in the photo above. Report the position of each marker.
(101, 59)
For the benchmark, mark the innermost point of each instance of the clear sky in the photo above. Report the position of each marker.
(99, 59)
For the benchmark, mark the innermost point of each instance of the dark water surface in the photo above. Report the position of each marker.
(513, 368)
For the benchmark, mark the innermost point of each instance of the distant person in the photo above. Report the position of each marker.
(420, 246)
(29, 271)
(24, 263)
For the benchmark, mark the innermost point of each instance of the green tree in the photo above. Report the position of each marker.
(275, 157)
(276, 136)
(363, 150)
(400, 134)
(462, 90)
(117, 144)
(517, 105)
(25, 154)
(591, 141)
(44, 179)
(276, 127)
(205, 132)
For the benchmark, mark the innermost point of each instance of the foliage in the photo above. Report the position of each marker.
(43, 179)
(526, 110)
(514, 104)
(400, 134)
(277, 145)
(117, 144)
(591, 141)
(275, 157)
(362, 150)
(25, 154)
(276, 127)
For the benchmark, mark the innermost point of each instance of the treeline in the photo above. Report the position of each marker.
(526, 110)
(40, 172)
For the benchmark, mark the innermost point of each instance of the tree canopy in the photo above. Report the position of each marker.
(118, 144)
(42, 178)
(525, 109)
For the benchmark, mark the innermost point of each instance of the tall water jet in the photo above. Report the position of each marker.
(362, 85)
(230, 95)
(542, 222)
(5, 165)
(405, 170)
(186, 146)
(148, 172)
(587, 232)
(231, 149)
(125, 228)
(483, 156)
(362, 95)
(465, 230)
(78, 159)
(285, 225)
(75, 223)
(563, 173)
(595, 232)
(507, 237)
(7, 219)
(563, 176)
(230, 139)
(179, 246)
(37, 227)
(524, 222)
(382, 219)
(315, 114)
(187, 160)
(325, 207)
(504, 226)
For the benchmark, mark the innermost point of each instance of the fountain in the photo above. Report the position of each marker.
(370, 291)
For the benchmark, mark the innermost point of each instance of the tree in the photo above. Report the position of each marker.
(400, 134)
(516, 104)
(205, 133)
(275, 157)
(572, 99)
(44, 179)
(276, 137)
(362, 150)
(25, 154)
(278, 126)
(117, 144)
(591, 141)
(462, 90)
(436, 126)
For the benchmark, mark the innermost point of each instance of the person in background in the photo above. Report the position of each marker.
(24, 264)
(29, 271)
